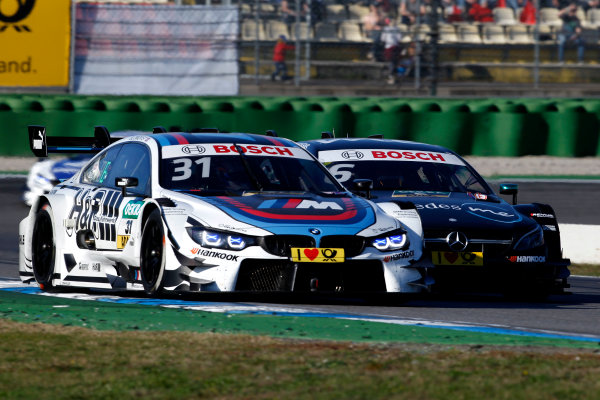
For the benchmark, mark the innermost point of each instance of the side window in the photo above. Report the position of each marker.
(98, 171)
(132, 161)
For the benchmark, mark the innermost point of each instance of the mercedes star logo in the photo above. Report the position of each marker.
(457, 241)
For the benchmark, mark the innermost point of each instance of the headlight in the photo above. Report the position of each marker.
(530, 240)
(220, 240)
(391, 241)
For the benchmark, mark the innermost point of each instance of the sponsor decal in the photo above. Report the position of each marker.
(527, 259)
(193, 149)
(541, 215)
(96, 267)
(300, 204)
(480, 196)
(228, 149)
(214, 254)
(319, 255)
(104, 219)
(434, 206)
(487, 211)
(492, 213)
(353, 154)
(96, 210)
(22, 11)
(84, 267)
(419, 193)
(550, 228)
(132, 209)
(329, 156)
(122, 241)
(400, 256)
(21, 239)
(457, 258)
(402, 214)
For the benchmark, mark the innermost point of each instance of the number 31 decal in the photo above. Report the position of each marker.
(183, 170)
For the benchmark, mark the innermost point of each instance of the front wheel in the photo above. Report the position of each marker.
(152, 256)
(43, 248)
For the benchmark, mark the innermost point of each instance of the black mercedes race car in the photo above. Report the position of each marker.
(477, 240)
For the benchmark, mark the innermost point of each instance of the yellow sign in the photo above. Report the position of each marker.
(35, 42)
(122, 241)
(454, 258)
(313, 254)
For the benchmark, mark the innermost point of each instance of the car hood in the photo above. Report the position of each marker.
(291, 213)
(461, 211)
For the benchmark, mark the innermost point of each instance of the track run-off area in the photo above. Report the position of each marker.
(562, 320)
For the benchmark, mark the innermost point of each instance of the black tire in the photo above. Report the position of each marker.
(152, 253)
(43, 248)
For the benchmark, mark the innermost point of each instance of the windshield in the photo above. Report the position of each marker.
(451, 175)
(221, 169)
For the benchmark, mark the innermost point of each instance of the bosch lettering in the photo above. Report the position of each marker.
(254, 149)
(408, 155)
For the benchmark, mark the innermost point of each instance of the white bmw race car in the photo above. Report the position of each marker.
(210, 212)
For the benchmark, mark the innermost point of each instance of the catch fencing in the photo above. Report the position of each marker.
(156, 49)
(334, 40)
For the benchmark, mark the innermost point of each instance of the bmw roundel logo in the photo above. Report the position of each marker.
(352, 154)
(314, 231)
(197, 149)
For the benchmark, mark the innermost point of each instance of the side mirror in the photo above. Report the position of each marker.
(510, 189)
(364, 185)
(124, 183)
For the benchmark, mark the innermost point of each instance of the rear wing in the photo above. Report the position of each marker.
(41, 144)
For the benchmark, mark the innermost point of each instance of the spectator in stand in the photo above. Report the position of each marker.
(391, 38)
(560, 4)
(589, 4)
(476, 12)
(287, 9)
(373, 22)
(409, 9)
(570, 33)
(279, 58)
(317, 11)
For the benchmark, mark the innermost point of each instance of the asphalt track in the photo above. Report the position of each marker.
(575, 314)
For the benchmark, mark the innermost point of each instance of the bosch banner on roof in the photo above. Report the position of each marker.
(35, 41)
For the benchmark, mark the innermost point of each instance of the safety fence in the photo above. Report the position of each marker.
(485, 127)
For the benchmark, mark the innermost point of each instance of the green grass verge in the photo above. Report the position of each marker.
(44, 361)
(135, 317)
(585, 269)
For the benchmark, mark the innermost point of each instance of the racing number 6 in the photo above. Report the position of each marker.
(340, 174)
(185, 168)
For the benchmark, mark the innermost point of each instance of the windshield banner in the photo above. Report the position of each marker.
(228, 149)
(388, 155)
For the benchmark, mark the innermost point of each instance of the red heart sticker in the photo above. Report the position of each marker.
(451, 257)
(311, 253)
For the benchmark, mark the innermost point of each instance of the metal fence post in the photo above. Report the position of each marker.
(256, 41)
(307, 46)
(536, 44)
(297, 49)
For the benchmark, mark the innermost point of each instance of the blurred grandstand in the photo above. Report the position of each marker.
(460, 43)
